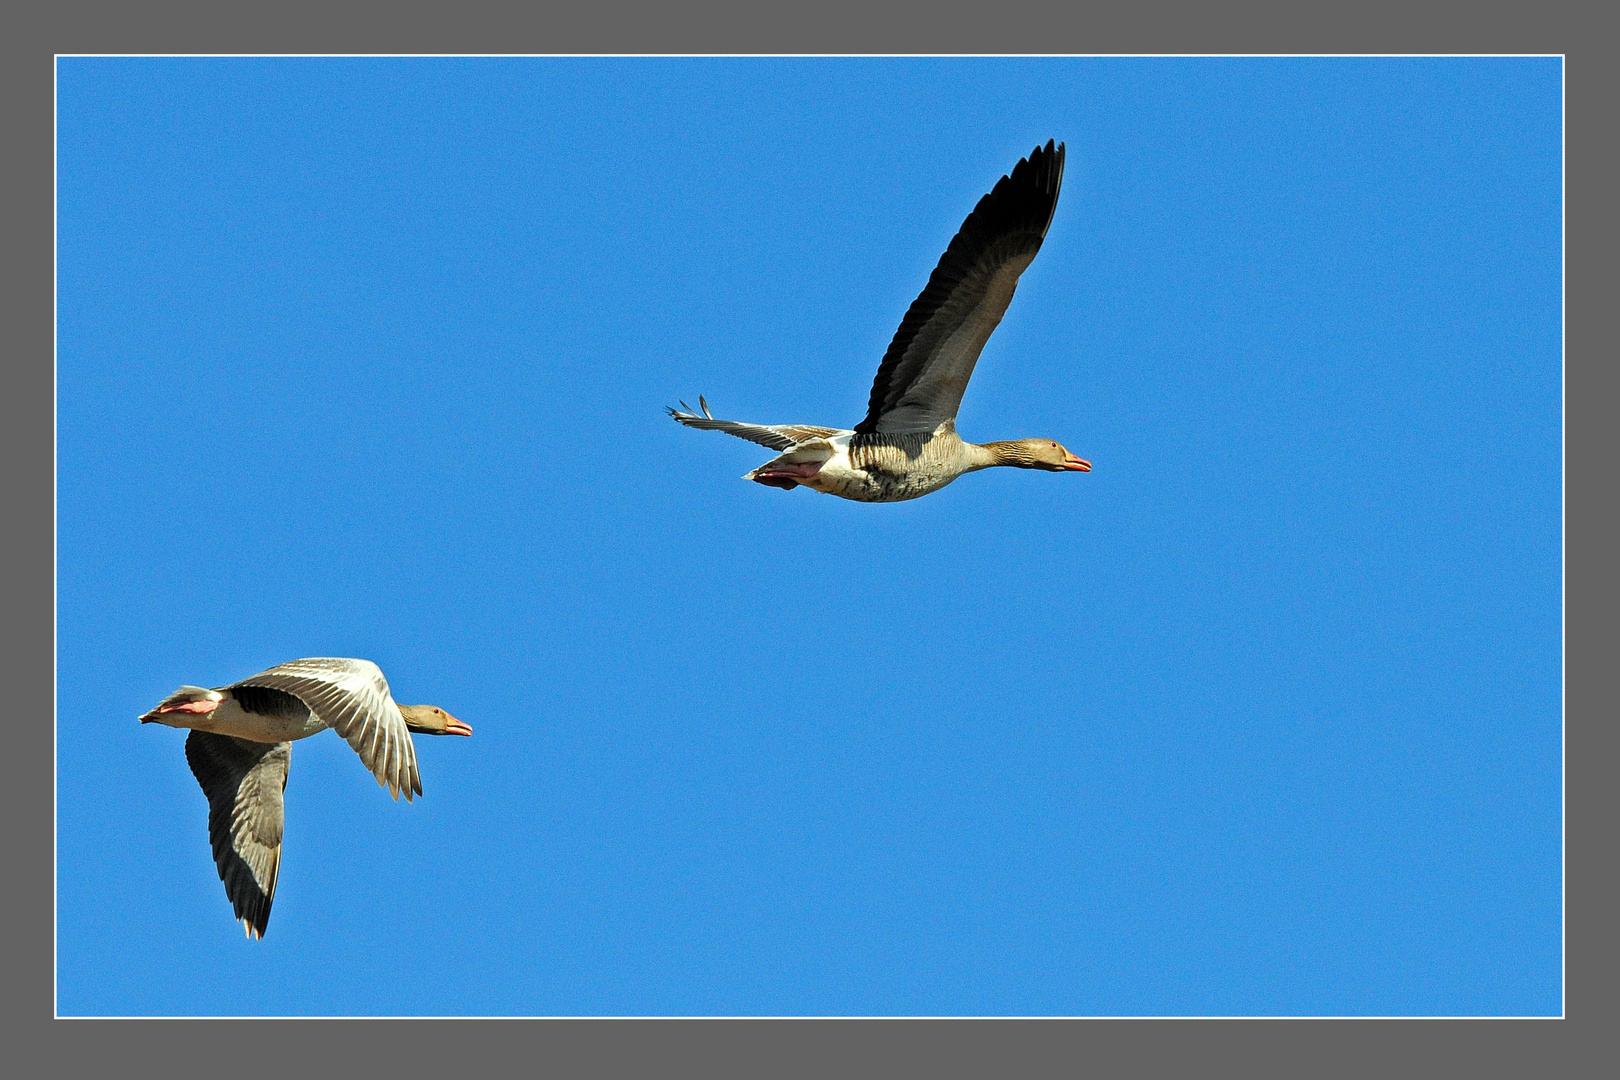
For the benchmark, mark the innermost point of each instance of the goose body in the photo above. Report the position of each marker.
(875, 468)
(240, 748)
(907, 445)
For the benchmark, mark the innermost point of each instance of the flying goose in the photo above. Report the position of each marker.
(241, 743)
(907, 446)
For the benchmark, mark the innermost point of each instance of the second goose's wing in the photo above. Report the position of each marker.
(243, 781)
(920, 383)
(351, 697)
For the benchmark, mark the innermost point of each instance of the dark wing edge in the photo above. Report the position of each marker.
(1010, 221)
(244, 782)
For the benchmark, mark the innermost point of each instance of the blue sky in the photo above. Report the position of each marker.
(1263, 715)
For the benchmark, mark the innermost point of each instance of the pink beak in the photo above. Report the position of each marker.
(453, 726)
(1074, 464)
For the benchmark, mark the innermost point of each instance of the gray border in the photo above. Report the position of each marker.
(786, 1046)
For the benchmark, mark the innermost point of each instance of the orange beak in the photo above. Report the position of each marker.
(1074, 464)
(452, 726)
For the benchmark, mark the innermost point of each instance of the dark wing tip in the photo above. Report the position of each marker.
(255, 923)
(1040, 176)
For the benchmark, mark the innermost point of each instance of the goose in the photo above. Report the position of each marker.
(241, 743)
(907, 446)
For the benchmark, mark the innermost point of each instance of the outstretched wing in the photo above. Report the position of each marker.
(775, 436)
(351, 697)
(920, 382)
(244, 782)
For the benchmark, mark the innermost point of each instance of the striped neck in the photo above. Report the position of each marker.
(1015, 454)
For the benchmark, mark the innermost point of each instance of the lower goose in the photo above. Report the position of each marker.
(241, 744)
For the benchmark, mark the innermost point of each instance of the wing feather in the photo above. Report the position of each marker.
(244, 782)
(775, 436)
(919, 384)
(352, 698)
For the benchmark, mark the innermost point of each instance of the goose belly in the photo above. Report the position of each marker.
(283, 725)
(839, 477)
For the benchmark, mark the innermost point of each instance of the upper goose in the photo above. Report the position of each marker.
(907, 446)
(241, 742)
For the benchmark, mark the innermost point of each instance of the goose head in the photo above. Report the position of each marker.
(432, 720)
(1037, 454)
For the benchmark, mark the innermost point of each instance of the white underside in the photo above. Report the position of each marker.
(229, 718)
(837, 476)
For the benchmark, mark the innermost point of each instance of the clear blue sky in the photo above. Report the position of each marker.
(368, 358)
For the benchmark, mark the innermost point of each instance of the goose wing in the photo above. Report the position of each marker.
(775, 436)
(920, 382)
(244, 782)
(351, 697)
